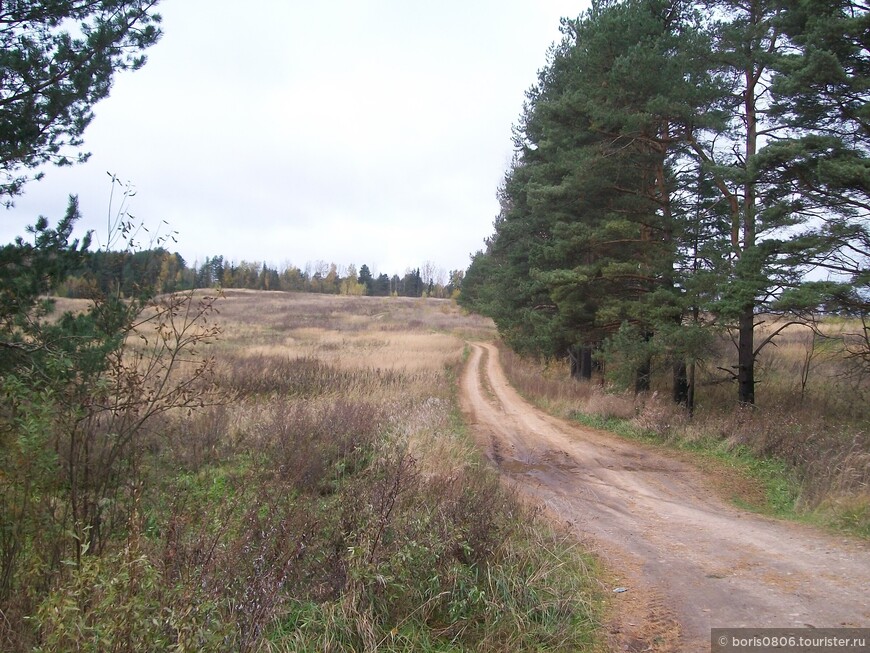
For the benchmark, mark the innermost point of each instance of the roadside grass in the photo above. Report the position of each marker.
(800, 459)
(332, 501)
(758, 484)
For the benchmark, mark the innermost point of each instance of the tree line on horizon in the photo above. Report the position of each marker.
(158, 270)
(684, 170)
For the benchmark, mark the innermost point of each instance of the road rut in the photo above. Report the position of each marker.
(689, 561)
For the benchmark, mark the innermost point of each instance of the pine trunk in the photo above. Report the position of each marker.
(746, 358)
(642, 380)
(681, 384)
(746, 325)
(581, 363)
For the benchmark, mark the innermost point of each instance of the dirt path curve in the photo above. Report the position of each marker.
(690, 561)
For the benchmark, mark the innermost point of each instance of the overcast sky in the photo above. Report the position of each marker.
(368, 131)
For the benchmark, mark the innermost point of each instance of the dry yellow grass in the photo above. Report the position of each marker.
(382, 332)
(420, 340)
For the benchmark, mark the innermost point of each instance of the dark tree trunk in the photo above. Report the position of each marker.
(581, 363)
(746, 358)
(643, 375)
(746, 336)
(575, 362)
(586, 363)
(642, 380)
(681, 384)
(690, 395)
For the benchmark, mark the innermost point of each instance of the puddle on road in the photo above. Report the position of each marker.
(543, 468)
(555, 463)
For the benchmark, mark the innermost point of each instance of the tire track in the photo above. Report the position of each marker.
(690, 561)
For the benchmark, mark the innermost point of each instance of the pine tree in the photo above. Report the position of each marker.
(821, 90)
(58, 59)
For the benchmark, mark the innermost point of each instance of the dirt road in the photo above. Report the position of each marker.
(689, 561)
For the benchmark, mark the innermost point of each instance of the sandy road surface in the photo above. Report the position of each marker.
(690, 562)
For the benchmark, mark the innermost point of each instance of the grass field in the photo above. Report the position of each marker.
(325, 497)
(322, 492)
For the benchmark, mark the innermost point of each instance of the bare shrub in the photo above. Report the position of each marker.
(315, 444)
(661, 416)
(254, 571)
(199, 438)
(233, 546)
(77, 431)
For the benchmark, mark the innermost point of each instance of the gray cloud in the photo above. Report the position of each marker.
(368, 132)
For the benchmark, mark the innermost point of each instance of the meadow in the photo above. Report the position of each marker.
(304, 480)
(322, 494)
